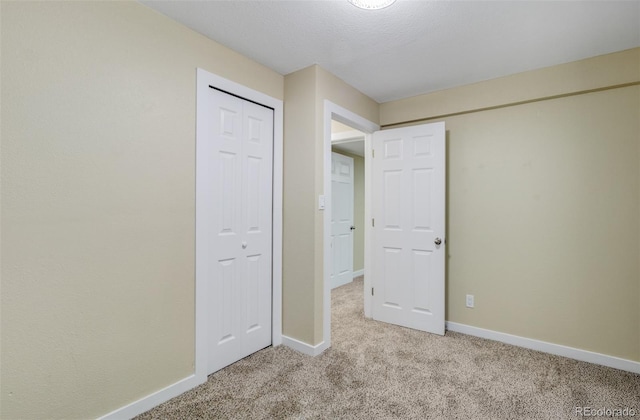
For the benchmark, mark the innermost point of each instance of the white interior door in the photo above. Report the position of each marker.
(341, 219)
(409, 226)
(239, 280)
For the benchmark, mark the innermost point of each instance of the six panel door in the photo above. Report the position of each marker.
(240, 279)
(409, 214)
(341, 219)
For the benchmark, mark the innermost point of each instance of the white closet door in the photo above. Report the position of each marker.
(240, 286)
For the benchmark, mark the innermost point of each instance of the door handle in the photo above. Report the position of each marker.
(352, 228)
(437, 241)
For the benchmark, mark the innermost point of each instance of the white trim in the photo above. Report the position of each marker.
(277, 225)
(153, 400)
(358, 273)
(368, 215)
(343, 115)
(303, 347)
(543, 346)
(203, 80)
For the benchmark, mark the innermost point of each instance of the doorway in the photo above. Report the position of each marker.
(347, 194)
(334, 112)
(420, 287)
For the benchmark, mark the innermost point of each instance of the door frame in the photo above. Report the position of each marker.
(333, 111)
(204, 80)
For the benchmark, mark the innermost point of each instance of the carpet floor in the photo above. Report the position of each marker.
(379, 371)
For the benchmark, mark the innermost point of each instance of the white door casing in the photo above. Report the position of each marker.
(409, 227)
(239, 281)
(341, 219)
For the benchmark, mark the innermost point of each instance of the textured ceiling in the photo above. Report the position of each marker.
(413, 47)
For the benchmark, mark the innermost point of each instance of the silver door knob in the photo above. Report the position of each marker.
(244, 245)
(437, 241)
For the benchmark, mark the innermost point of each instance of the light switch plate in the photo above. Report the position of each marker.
(321, 202)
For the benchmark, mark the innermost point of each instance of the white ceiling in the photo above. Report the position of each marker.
(413, 47)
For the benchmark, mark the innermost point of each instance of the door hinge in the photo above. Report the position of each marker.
(373, 153)
(372, 291)
(373, 222)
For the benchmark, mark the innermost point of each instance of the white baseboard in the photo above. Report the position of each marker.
(155, 399)
(358, 273)
(342, 283)
(543, 346)
(302, 347)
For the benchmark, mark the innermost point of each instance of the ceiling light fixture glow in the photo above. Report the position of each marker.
(372, 4)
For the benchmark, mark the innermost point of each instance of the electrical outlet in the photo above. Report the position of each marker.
(469, 301)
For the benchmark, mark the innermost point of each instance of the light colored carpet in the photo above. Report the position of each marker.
(379, 371)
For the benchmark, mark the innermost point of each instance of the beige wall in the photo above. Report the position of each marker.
(299, 248)
(597, 72)
(305, 144)
(338, 127)
(98, 152)
(544, 203)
